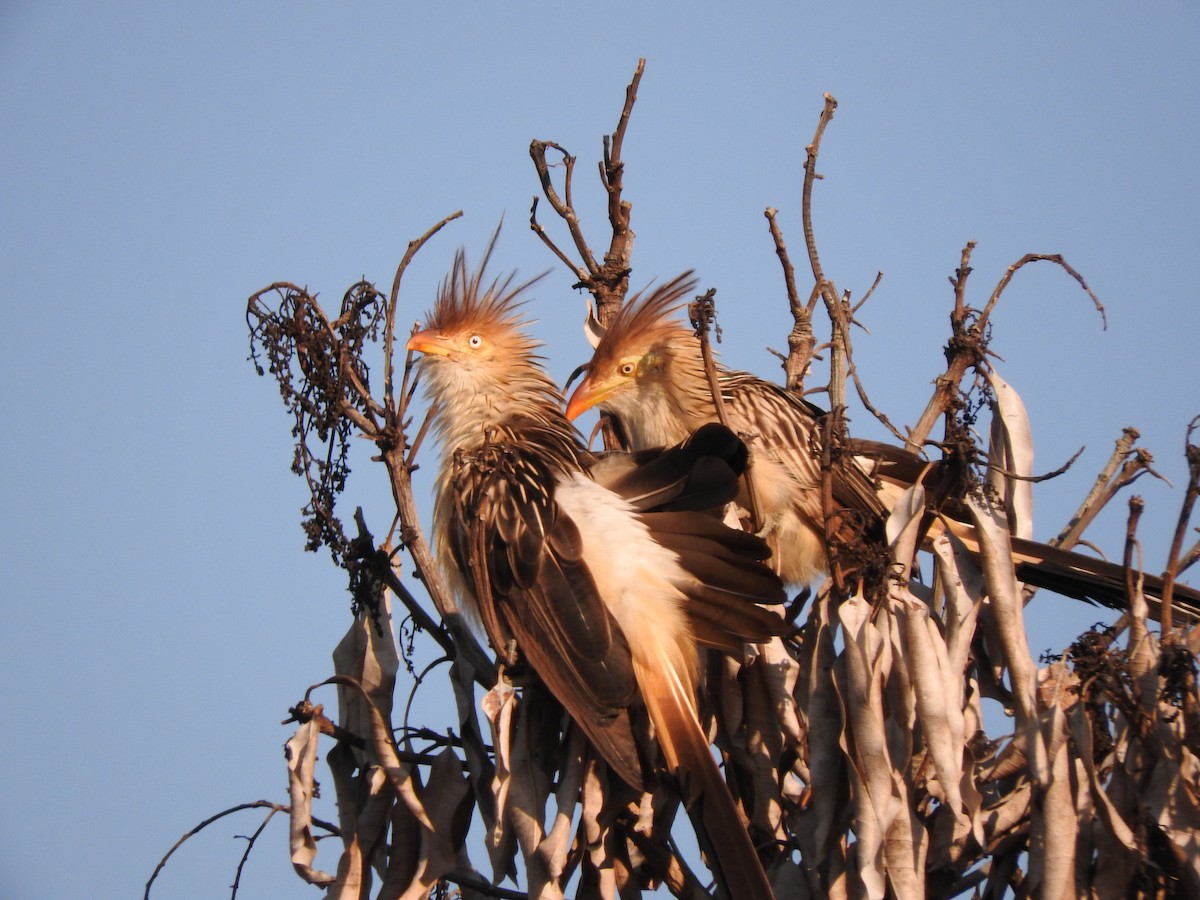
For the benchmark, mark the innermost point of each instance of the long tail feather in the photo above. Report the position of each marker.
(1084, 577)
(685, 748)
(1065, 572)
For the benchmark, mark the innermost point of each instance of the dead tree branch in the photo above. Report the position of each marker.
(257, 804)
(608, 282)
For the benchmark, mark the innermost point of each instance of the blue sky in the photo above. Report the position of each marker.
(161, 162)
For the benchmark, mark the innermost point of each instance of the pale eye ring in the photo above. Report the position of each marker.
(627, 368)
(475, 342)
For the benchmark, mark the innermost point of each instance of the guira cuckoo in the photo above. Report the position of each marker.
(603, 573)
(647, 371)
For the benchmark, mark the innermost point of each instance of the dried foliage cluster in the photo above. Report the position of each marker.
(856, 747)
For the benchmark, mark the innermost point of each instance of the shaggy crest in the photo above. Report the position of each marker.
(645, 321)
(466, 302)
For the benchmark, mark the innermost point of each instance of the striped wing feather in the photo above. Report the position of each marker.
(533, 586)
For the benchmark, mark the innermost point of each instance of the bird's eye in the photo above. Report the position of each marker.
(475, 342)
(626, 368)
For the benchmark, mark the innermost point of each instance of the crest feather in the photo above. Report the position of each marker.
(647, 319)
(466, 301)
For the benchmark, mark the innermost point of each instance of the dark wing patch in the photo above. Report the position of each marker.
(701, 473)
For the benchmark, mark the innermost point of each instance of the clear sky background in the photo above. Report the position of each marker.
(161, 162)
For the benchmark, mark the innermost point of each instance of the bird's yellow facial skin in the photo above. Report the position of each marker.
(597, 389)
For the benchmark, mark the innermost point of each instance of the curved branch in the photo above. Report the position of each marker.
(810, 175)
(257, 804)
(1055, 258)
(389, 328)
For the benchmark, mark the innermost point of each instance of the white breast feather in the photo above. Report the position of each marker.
(636, 576)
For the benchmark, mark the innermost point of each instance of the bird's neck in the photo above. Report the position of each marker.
(675, 405)
(478, 410)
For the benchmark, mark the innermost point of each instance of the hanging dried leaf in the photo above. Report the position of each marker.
(498, 705)
(961, 582)
(382, 751)
(903, 530)
(938, 697)
(301, 754)
(368, 654)
(876, 800)
(1006, 607)
(364, 807)
(554, 849)
(826, 791)
(1011, 449)
(442, 836)
(1054, 824)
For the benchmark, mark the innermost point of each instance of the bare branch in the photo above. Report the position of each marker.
(608, 282)
(810, 175)
(581, 275)
(702, 313)
(389, 329)
(1035, 479)
(250, 841)
(880, 416)
(1055, 258)
(800, 338)
(1107, 483)
(257, 804)
(537, 151)
(867, 296)
(964, 351)
(1189, 559)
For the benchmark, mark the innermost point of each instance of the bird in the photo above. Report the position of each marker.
(647, 371)
(605, 573)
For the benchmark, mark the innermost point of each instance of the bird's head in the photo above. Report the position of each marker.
(474, 339)
(640, 353)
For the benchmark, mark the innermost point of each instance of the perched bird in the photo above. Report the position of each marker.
(648, 372)
(602, 574)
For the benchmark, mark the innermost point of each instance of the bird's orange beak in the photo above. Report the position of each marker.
(428, 342)
(585, 396)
